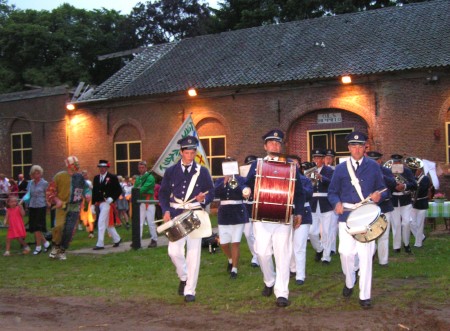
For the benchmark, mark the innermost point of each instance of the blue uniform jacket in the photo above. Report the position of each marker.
(341, 189)
(175, 184)
(411, 184)
(307, 193)
(422, 192)
(322, 187)
(231, 214)
(299, 198)
(389, 180)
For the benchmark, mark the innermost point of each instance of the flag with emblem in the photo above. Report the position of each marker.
(171, 154)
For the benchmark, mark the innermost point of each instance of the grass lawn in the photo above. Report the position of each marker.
(148, 274)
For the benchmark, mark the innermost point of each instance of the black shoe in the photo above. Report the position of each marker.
(384, 265)
(267, 292)
(282, 302)
(424, 238)
(255, 265)
(50, 246)
(408, 249)
(365, 304)
(181, 287)
(332, 253)
(292, 274)
(229, 267)
(97, 248)
(325, 262)
(189, 298)
(233, 275)
(152, 244)
(347, 292)
(397, 250)
(299, 282)
(318, 256)
(117, 244)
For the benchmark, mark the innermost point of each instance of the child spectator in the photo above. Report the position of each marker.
(16, 229)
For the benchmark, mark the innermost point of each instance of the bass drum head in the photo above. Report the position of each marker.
(363, 216)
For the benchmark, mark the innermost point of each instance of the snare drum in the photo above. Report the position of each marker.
(180, 226)
(366, 223)
(273, 192)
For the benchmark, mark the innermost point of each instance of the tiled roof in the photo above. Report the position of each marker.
(402, 38)
(36, 93)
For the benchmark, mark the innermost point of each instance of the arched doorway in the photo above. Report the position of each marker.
(323, 128)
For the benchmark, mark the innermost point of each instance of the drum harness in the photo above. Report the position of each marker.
(355, 183)
(183, 204)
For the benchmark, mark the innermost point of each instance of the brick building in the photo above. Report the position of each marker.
(249, 81)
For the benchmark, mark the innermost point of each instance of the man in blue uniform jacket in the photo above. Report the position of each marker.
(353, 181)
(175, 187)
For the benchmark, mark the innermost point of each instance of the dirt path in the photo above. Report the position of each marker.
(20, 311)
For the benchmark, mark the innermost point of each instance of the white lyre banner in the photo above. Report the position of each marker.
(171, 154)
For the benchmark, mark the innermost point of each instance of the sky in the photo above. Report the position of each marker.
(124, 6)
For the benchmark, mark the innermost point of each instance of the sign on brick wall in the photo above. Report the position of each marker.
(329, 118)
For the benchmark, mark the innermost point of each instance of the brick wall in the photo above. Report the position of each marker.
(400, 114)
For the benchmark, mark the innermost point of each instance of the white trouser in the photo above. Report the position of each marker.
(274, 239)
(324, 221)
(298, 260)
(248, 232)
(401, 220)
(334, 231)
(417, 224)
(348, 248)
(147, 211)
(188, 266)
(383, 242)
(314, 232)
(103, 221)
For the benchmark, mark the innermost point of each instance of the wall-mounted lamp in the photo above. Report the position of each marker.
(70, 106)
(192, 92)
(346, 79)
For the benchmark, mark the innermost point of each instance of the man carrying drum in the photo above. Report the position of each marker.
(185, 181)
(275, 238)
(353, 181)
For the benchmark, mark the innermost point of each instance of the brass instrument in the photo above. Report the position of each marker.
(311, 172)
(396, 172)
(413, 163)
(233, 183)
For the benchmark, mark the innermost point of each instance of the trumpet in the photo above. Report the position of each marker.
(233, 183)
(310, 172)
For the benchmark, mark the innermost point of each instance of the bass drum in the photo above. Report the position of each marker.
(366, 223)
(274, 191)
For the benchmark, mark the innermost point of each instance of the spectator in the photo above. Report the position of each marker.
(37, 208)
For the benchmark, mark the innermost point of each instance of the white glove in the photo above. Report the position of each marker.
(109, 200)
(93, 210)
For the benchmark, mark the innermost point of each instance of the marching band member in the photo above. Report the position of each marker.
(352, 182)
(106, 189)
(322, 211)
(248, 227)
(420, 207)
(401, 199)
(272, 238)
(300, 236)
(174, 186)
(231, 215)
(329, 161)
(386, 208)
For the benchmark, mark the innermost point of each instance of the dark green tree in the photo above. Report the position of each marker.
(167, 20)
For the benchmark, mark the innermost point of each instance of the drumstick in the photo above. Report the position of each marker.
(184, 203)
(362, 202)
